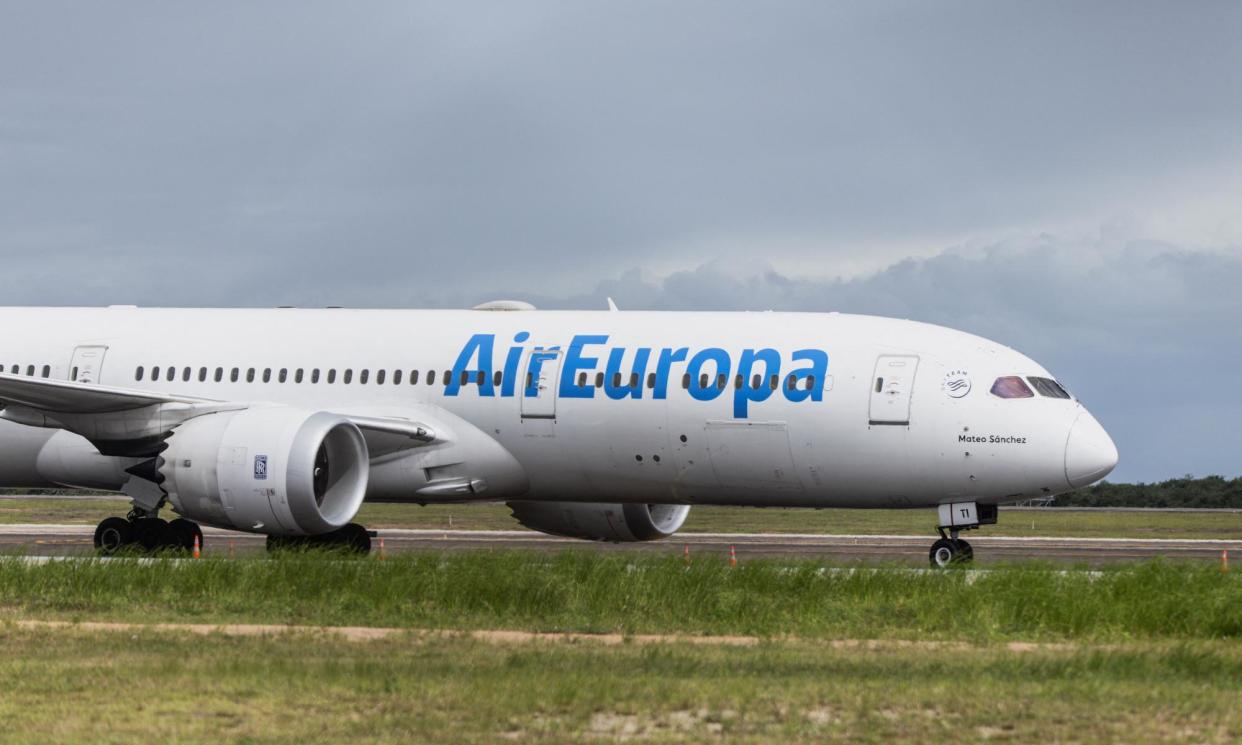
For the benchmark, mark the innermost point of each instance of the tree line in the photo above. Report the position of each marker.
(1209, 491)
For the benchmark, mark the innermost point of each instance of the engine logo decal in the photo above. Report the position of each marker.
(956, 384)
(260, 467)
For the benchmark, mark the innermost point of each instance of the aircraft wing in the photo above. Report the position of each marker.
(83, 407)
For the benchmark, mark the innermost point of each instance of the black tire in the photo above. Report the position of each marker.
(944, 554)
(152, 533)
(183, 533)
(113, 534)
(353, 537)
(967, 553)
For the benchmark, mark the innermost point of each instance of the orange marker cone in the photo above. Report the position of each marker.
(685, 554)
(381, 553)
(732, 556)
(197, 548)
(230, 548)
(1224, 560)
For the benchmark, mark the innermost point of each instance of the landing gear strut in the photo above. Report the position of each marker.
(147, 533)
(353, 538)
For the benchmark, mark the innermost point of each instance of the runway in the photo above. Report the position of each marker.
(57, 540)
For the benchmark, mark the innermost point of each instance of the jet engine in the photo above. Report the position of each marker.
(593, 521)
(275, 470)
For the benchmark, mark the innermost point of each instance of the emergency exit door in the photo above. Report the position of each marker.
(890, 389)
(539, 384)
(87, 364)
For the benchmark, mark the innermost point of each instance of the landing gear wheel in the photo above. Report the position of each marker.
(112, 534)
(352, 537)
(183, 532)
(947, 552)
(152, 533)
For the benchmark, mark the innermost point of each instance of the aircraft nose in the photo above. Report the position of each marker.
(1090, 454)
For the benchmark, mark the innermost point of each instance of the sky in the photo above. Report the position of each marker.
(1062, 177)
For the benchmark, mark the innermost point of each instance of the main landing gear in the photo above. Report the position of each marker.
(146, 533)
(951, 550)
(353, 538)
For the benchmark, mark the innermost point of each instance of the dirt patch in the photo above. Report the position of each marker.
(502, 636)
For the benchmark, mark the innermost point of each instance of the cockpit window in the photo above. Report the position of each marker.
(1049, 387)
(1011, 387)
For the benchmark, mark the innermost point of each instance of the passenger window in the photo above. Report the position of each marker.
(685, 381)
(479, 377)
(616, 380)
(810, 382)
(137, 373)
(529, 380)
(349, 376)
(755, 381)
(651, 377)
(1049, 387)
(171, 374)
(379, 376)
(413, 377)
(47, 371)
(791, 382)
(314, 376)
(448, 376)
(599, 380)
(396, 377)
(297, 375)
(722, 381)
(582, 379)
(250, 375)
(431, 377)
(702, 381)
(879, 385)
(283, 375)
(234, 374)
(202, 375)
(362, 377)
(1011, 387)
(219, 374)
(774, 382)
(185, 375)
(332, 375)
(465, 377)
(267, 375)
(497, 378)
(30, 370)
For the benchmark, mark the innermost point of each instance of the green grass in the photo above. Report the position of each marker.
(593, 592)
(1049, 522)
(150, 687)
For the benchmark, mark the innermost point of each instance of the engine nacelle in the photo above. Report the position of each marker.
(621, 523)
(275, 470)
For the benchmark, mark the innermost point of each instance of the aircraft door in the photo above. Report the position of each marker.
(891, 387)
(87, 364)
(543, 367)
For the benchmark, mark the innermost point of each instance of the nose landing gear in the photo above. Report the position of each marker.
(951, 550)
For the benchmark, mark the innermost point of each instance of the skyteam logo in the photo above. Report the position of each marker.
(956, 384)
(752, 375)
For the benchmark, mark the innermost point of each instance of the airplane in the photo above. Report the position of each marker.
(602, 425)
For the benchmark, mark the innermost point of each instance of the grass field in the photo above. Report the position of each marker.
(1148, 653)
(1049, 522)
(149, 687)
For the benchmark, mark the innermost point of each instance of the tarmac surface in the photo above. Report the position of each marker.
(73, 540)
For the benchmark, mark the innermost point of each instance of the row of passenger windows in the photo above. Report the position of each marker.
(382, 377)
(1012, 386)
(44, 371)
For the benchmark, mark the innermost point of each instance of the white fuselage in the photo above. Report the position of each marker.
(882, 413)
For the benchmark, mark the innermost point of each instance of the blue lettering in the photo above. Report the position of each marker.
(480, 345)
(743, 395)
(667, 358)
(575, 363)
(629, 386)
(706, 390)
(812, 377)
(511, 365)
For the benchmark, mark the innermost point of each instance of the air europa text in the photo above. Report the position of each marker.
(626, 370)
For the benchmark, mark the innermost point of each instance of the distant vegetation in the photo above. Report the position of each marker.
(1211, 491)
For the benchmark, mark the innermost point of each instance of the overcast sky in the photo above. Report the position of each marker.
(1064, 177)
